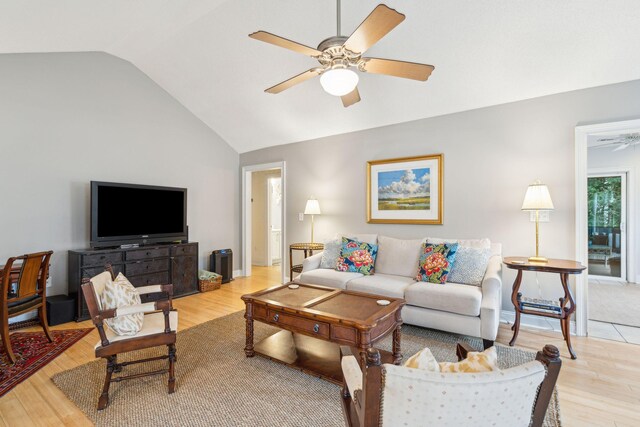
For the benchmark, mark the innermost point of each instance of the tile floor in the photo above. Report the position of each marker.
(613, 331)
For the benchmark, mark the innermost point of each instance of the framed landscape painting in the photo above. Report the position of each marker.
(405, 191)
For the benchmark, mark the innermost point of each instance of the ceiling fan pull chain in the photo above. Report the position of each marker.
(338, 14)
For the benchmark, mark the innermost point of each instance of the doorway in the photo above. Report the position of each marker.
(607, 210)
(263, 219)
(607, 157)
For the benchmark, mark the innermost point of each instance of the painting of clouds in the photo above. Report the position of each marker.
(408, 189)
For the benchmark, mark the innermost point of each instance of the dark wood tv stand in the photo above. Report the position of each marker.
(175, 263)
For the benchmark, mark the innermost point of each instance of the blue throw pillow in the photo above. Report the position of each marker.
(357, 257)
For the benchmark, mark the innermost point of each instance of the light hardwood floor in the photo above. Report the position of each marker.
(600, 388)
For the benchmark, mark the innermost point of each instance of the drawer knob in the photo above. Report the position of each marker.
(316, 328)
(276, 317)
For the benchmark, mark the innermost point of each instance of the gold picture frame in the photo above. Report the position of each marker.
(405, 190)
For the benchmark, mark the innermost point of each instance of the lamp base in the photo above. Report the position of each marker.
(538, 259)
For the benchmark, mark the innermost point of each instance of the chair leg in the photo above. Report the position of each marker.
(172, 362)
(42, 314)
(487, 343)
(103, 401)
(6, 342)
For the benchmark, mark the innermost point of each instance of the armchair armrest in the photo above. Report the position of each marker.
(462, 349)
(352, 374)
(152, 289)
(312, 263)
(147, 307)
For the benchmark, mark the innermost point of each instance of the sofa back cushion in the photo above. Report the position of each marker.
(371, 239)
(398, 257)
(463, 243)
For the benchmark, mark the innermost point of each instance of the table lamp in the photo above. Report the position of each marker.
(312, 208)
(537, 198)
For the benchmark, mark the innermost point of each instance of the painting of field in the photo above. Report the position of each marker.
(408, 189)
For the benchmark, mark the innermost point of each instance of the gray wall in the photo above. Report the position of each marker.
(67, 119)
(490, 156)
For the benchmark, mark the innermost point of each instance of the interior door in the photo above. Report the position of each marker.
(607, 216)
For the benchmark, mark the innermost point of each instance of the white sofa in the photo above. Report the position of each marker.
(453, 307)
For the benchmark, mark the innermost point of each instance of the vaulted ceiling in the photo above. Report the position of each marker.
(485, 53)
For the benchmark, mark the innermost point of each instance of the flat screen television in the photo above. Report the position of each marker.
(129, 214)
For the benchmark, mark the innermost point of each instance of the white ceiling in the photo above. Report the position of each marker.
(485, 53)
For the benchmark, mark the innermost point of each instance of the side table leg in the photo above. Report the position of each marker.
(516, 306)
(565, 325)
(397, 354)
(248, 349)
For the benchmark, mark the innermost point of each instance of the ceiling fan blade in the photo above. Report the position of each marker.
(390, 67)
(263, 36)
(380, 21)
(351, 98)
(294, 80)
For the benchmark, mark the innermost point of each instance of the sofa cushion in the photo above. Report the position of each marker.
(466, 243)
(326, 277)
(436, 261)
(381, 284)
(331, 253)
(451, 297)
(372, 239)
(357, 257)
(397, 256)
(470, 266)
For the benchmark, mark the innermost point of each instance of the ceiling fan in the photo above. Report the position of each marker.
(337, 56)
(621, 141)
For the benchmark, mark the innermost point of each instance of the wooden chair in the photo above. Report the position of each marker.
(389, 395)
(159, 328)
(29, 293)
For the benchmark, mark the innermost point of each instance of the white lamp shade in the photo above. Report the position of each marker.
(312, 208)
(339, 81)
(537, 198)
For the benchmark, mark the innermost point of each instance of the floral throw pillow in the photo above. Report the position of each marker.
(357, 257)
(436, 261)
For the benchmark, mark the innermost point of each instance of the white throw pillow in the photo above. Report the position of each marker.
(331, 253)
(469, 266)
(398, 257)
(117, 294)
(463, 243)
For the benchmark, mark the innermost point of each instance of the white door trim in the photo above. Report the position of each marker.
(246, 212)
(581, 250)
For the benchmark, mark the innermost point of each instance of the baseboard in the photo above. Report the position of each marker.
(536, 322)
(238, 273)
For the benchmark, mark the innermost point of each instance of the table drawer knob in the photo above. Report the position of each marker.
(276, 317)
(316, 328)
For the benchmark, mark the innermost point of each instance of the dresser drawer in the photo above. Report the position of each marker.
(90, 272)
(184, 250)
(299, 324)
(147, 253)
(144, 267)
(102, 259)
(161, 278)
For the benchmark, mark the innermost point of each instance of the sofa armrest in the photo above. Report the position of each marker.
(491, 299)
(312, 263)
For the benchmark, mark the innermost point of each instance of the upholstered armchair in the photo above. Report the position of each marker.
(158, 329)
(389, 395)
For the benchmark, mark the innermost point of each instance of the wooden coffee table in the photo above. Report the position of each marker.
(316, 320)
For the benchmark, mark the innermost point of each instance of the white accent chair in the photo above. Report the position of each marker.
(389, 395)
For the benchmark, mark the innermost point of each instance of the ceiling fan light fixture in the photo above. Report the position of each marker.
(339, 81)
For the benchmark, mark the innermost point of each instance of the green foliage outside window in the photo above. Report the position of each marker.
(605, 203)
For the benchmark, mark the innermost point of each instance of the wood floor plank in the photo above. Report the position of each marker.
(600, 388)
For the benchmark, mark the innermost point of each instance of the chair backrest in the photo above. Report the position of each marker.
(93, 289)
(32, 278)
(501, 398)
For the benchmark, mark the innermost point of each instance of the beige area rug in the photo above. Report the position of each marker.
(615, 303)
(218, 386)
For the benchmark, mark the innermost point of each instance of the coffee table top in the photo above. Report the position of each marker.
(322, 302)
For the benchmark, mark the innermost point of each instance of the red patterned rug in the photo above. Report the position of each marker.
(33, 351)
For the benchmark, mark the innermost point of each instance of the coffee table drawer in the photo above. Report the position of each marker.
(299, 324)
